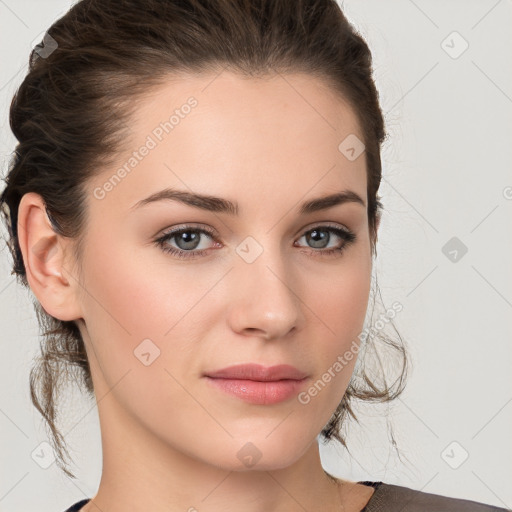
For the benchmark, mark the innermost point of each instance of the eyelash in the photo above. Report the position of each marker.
(345, 234)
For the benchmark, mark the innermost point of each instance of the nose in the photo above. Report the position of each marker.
(264, 297)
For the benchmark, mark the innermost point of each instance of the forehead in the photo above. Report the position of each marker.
(270, 101)
(223, 133)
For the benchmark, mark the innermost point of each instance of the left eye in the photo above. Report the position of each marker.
(188, 238)
(313, 235)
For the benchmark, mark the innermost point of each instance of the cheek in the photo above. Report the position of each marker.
(135, 317)
(340, 310)
(341, 302)
(144, 296)
(137, 296)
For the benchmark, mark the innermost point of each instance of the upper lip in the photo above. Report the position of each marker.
(258, 372)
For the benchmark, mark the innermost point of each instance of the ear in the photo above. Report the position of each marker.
(46, 257)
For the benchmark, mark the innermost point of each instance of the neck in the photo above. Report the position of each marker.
(143, 472)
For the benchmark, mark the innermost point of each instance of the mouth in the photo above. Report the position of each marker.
(258, 384)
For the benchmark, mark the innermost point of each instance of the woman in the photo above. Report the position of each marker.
(193, 201)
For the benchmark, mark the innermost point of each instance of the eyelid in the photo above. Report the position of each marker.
(326, 224)
(188, 226)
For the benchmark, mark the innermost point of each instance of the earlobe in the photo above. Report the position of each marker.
(44, 257)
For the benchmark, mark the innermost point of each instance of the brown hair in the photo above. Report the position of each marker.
(70, 111)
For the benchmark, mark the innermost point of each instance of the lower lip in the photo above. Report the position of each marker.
(258, 392)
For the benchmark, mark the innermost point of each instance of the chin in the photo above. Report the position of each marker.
(258, 452)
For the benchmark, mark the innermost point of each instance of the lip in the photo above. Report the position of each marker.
(258, 372)
(258, 384)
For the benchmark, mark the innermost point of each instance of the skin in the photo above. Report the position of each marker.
(169, 440)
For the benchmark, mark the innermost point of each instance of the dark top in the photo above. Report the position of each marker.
(393, 498)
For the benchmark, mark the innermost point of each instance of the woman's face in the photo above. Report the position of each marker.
(258, 285)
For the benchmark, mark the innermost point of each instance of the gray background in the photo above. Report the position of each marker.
(447, 173)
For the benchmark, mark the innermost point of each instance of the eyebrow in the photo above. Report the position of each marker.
(220, 205)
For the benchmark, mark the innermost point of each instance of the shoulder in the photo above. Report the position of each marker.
(77, 506)
(389, 497)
